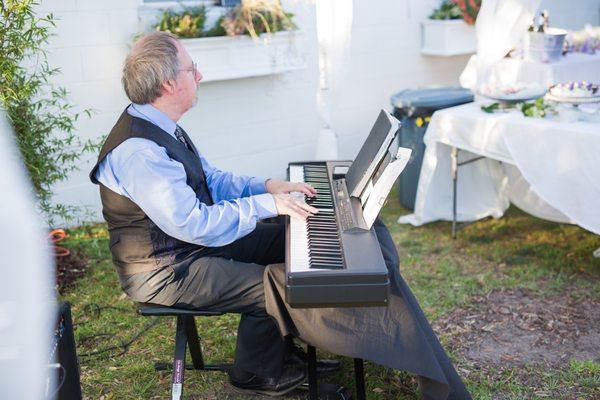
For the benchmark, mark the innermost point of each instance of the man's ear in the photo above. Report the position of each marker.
(168, 87)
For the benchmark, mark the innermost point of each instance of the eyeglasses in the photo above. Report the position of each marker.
(193, 69)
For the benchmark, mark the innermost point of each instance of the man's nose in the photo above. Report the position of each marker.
(198, 76)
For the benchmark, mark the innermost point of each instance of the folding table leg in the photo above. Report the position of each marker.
(359, 376)
(454, 170)
(313, 392)
(179, 359)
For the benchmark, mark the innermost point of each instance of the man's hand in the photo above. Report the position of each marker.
(275, 186)
(288, 205)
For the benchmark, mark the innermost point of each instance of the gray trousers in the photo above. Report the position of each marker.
(231, 282)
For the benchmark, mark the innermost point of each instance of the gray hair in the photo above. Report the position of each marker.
(151, 62)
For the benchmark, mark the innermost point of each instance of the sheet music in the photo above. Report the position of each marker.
(376, 192)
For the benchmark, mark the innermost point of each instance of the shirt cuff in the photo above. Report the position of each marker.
(257, 186)
(265, 206)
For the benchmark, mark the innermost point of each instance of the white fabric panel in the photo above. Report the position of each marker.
(522, 195)
(26, 287)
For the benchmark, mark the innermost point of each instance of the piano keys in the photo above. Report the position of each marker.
(332, 260)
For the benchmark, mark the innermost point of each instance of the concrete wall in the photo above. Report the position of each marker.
(384, 59)
(572, 14)
(254, 125)
(250, 126)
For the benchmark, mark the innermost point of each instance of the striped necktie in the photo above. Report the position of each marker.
(179, 135)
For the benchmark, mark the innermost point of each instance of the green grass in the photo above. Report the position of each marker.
(517, 251)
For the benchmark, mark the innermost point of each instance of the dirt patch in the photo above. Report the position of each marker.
(516, 327)
(69, 268)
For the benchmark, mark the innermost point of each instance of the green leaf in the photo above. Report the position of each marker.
(491, 108)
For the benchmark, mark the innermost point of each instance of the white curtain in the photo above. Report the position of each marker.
(334, 26)
(500, 25)
(27, 312)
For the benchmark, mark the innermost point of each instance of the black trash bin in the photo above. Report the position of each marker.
(413, 107)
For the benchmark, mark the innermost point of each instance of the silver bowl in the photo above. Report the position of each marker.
(545, 46)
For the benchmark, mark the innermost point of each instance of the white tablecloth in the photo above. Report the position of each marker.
(571, 67)
(549, 168)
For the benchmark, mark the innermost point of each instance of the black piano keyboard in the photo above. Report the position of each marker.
(324, 245)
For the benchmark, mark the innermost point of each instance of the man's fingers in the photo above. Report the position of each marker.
(295, 208)
(305, 207)
(309, 190)
(303, 210)
(309, 208)
(298, 213)
(306, 192)
(304, 188)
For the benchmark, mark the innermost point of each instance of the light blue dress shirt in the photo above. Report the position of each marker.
(141, 170)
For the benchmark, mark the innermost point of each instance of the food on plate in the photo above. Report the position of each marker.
(496, 90)
(575, 89)
(513, 92)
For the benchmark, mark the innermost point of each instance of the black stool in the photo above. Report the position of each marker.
(185, 334)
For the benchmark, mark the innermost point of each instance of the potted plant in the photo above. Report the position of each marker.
(449, 30)
(255, 38)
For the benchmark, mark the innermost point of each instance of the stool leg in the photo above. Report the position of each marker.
(359, 376)
(179, 359)
(193, 342)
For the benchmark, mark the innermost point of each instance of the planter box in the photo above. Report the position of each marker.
(222, 58)
(447, 37)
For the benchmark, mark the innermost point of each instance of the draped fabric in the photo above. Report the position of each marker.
(499, 27)
(397, 336)
(550, 167)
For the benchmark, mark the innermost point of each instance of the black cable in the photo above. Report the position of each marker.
(62, 381)
(95, 310)
(124, 345)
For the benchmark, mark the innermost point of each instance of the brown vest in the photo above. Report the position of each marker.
(136, 243)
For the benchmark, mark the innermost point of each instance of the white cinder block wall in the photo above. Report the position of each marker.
(384, 59)
(254, 125)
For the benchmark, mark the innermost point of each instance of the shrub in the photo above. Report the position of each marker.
(446, 10)
(43, 120)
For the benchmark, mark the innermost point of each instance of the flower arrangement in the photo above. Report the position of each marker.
(469, 9)
(251, 17)
(457, 9)
(586, 40)
(188, 23)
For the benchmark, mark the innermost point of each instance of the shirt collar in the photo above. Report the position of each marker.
(154, 116)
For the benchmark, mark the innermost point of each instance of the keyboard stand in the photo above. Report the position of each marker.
(328, 391)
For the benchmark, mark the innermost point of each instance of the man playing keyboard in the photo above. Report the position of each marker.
(183, 233)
